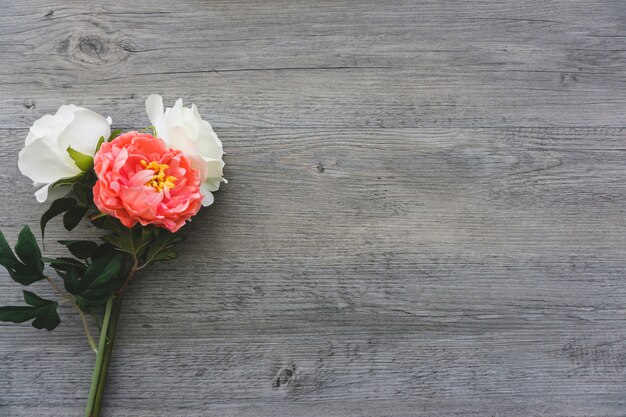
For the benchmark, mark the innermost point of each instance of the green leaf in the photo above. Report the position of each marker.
(17, 314)
(100, 142)
(102, 271)
(109, 223)
(83, 194)
(73, 216)
(68, 181)
(87, 304)
(27, 269)
(7, 258)
(114, 134)
(63, 264)
(47, 317)
(162, 249)
(24, 276)
(82, 161)
(100, 281)
(28, 250)
(70, 270)
(71, 281)
(134, 241)
(34, 300)
(103, 250)
(122, 242)
(82, 249)
(57, 207)
(42, 312)
(144, 238)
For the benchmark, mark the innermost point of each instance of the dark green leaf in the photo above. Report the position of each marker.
(101, 279)
(44, 312)
(122, 242)
(102, 271)
(162, 249)
(109, 223)
(31, 268)
(87, 304)
(57, 207)
(68, 181)
(70, 270)
(48, 318)
(28, 250)
(82, 249)
(103, 249)
(17, 314)
(83, 193)
(82, 161)
(7, 258)
(23, 276)
(133, 241)
(71, 281)
(144, 238)
(73, 216)
(64, 263)
(34, 300)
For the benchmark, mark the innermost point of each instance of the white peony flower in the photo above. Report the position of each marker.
(182, 128)
(45, 158)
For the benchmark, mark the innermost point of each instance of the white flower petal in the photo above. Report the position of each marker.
(214, 168)
(84, 132)
(154, 108)
(66, 112)
(212, 184)
(208, 196)
(47, 125)
(178, 139)
(43, 164)
(208, 143)
(42, 194)
(47, 192)
(199, 165)
(44, 158)
(182, 128)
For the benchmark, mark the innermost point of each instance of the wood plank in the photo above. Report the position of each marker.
(367, 272)
(344, 64)
(425, 213)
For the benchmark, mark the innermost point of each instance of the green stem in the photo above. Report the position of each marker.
(115, 314)
(105, 345)
(99, 367)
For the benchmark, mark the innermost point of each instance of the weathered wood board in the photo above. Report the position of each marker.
(425, 212)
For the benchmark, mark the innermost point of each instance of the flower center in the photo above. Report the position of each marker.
(159, 180)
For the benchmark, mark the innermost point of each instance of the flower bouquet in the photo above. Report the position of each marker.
(140, 188)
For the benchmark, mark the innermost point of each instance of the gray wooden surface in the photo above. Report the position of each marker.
(425, 214)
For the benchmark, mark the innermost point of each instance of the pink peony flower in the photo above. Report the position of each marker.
(141, 180)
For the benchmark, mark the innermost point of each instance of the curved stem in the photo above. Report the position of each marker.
(56, 287)
(83, 319)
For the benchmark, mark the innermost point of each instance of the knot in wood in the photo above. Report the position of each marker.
(94, 49)
(283, 377)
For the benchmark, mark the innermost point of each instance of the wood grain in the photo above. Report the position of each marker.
(425, 212)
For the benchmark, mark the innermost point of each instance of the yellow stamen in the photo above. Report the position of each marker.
(159, 180)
